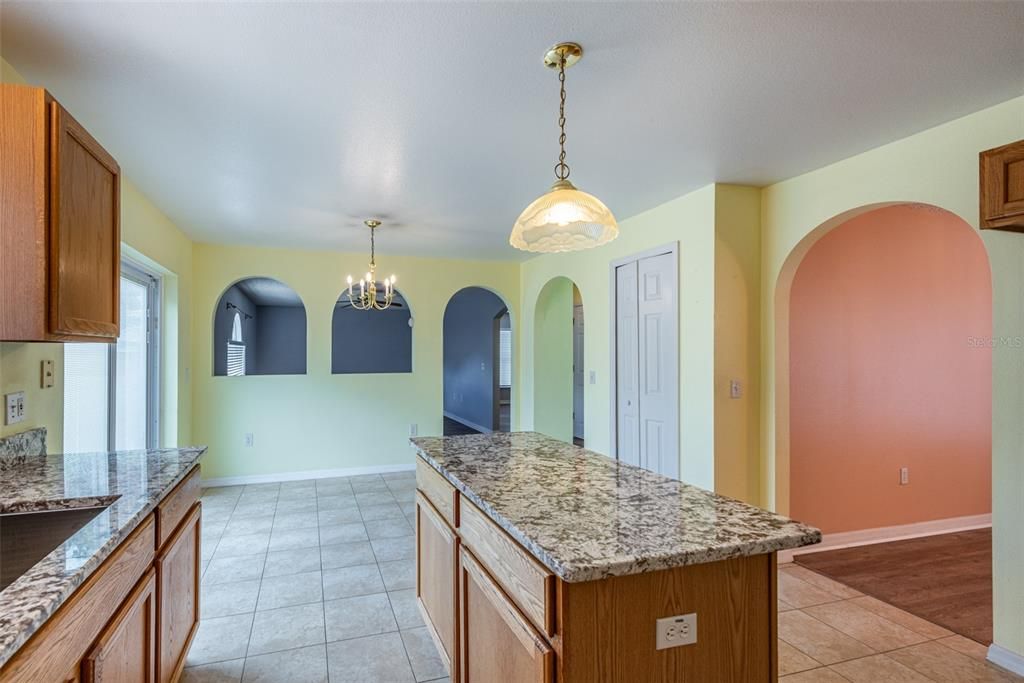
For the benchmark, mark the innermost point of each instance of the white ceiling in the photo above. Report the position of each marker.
(286, 124)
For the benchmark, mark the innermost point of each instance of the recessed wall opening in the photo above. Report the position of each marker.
(388, 333)
(477, 357)
(259, 328)
(559, 367)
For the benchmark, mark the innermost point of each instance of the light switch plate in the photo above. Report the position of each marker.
(676, 631)
(15, 412)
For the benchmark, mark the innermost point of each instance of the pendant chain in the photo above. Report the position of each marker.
(561, 168)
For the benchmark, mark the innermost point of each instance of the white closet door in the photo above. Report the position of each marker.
(657, 312)
(627, 365)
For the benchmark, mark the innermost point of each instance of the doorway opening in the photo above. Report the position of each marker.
(477, 358)
(559, 368)
(578, 372)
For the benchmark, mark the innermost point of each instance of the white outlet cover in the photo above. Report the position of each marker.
(676, 631)
(15, 412)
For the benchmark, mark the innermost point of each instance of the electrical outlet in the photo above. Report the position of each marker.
(249, 440)
(593, 376)
(15, 408)
(904, 476)
(414, 429)
(676, 631)
(735, 388)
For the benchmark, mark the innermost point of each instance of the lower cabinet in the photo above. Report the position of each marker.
(126, 650)
(177, 570)
(497, 642)
(436, 560)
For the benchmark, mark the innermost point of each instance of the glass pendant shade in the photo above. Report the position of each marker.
(564, 219)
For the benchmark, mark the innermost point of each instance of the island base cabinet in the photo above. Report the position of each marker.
(177, 567)
(497, 641)
(126, 650)
(436, 558)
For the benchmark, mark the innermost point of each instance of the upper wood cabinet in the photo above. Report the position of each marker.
(60, 232)
(1002, 187)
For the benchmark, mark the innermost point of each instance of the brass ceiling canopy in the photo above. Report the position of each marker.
(569, 53)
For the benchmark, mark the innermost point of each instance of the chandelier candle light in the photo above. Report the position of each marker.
(367, 299)
(563, 219)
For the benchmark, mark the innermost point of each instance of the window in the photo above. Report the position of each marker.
(505, 357)
(236, 349)
(111, 391)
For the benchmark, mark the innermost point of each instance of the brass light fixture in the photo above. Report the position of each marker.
(563, 219)
(366, 299)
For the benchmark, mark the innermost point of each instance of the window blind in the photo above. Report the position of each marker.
(505, 358)
(86, 401)
(236, 359)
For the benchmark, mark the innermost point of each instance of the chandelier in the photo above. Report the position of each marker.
(563, 219)
(368, 297)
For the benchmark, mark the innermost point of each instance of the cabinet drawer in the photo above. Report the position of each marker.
(438, 491)
(497, 643)
(529, 583)
(176, 506)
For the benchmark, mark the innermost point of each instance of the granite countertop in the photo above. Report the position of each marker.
(586, 516)
(130, 482)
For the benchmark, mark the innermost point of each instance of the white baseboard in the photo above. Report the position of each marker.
(852, 539)
(467, 423)
(306, 474)
(1007, 659)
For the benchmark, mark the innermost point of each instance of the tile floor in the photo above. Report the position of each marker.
(313, 581)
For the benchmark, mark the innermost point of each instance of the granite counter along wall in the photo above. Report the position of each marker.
(16, 448)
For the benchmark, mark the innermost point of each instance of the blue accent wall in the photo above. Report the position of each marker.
(370, 341)
(469, 344)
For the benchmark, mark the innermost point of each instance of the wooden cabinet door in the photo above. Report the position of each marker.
(177, 567)
(85, 232)
(436, 559)
(126, 649)
(497, 642)
(1002, 187)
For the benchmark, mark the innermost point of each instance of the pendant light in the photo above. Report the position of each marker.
(563, 219)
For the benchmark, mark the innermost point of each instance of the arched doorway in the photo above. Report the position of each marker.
(559, 375)
(477, 360)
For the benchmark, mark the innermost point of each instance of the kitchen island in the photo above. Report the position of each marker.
(99, 565)
(540, 561)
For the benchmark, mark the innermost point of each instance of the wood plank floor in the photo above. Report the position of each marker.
(946, 579)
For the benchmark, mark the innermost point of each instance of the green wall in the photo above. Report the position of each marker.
(552, 359)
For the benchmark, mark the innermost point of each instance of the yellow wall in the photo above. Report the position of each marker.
(151, 239)
(939, 167)
(690, 221)
(738, 341)
(320, 421)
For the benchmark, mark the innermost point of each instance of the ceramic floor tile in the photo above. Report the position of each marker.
(792, 661)
(426, 663)
(231, 569)
(403, 604)
(799, 593)
(225, 599)
(785, 606)
(815, 676)
(285, 562)
(818, 640)
(218, 672)
(362, 615)
(342, 533)
(388, 528)
(242, 545)
(874, 631)
(291, 539)
(401, 548)
(820, 581)
(254, 508)
(398, 574)
(904, 619)
(943, 665)
(287, 628)
(878, 669)
(344, 582)
(220, 639)
(385, 511)
(336, 516)
(346, 554)
(239, 526)
(374, 659)
(292, 589)
(302, 665)
(295, 520)
(372, 498)
(303, 504)
(966, 646)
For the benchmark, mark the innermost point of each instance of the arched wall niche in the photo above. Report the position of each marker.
(259, 328)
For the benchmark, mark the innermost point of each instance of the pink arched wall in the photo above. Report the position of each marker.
(890, 315)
